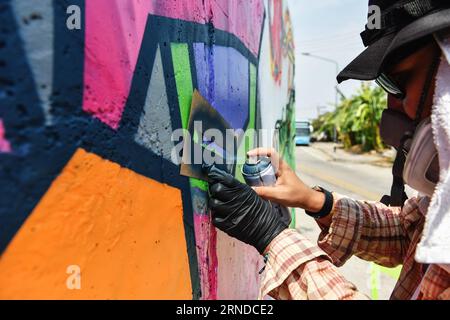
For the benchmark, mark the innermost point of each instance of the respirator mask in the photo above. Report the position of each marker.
(421, 162)
(416, 163)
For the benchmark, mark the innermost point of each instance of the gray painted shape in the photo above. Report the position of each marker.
(155, 126)
(35, 23)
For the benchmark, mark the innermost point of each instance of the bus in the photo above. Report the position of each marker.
(302, 133)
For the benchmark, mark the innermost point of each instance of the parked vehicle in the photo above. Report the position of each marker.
(302, 133)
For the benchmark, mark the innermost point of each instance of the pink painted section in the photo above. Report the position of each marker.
(206, 241)
(239, 266)
(5, 146)
(242, 18)
(114, 32)
(229, 269)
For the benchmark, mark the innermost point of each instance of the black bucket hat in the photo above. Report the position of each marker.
(403, 23)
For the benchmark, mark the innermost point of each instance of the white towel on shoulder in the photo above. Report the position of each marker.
(434, 246)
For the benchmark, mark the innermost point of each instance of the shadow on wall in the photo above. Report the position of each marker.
(91, 205)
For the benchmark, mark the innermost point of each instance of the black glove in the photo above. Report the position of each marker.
(238, 211)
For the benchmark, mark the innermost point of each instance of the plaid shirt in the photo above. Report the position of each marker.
(388, 236)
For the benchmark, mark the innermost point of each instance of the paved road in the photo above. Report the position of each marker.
(358, 181)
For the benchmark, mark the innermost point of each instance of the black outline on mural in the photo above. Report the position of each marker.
(35, 170)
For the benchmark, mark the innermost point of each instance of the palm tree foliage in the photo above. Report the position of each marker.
(356, 119)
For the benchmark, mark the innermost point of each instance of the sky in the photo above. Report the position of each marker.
(330, 29)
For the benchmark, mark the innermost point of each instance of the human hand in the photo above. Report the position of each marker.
(238, 211)
(289, 190)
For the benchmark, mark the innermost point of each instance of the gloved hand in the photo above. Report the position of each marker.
(238, 211)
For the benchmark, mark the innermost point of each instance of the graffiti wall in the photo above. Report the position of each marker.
(278, 90)
(276, 80)
(92, 205)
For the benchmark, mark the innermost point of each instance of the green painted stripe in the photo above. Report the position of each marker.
(197, 183)
(294, 219)
(252, 105)
(375, 272)
(394, 273)
(183, 79)
(238, 173)
(249, 142)
(196, 138)
(374, 281)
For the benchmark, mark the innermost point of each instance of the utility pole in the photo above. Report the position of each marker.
(307, 54)
(319, 108)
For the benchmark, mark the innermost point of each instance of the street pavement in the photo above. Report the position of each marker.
(351, 177)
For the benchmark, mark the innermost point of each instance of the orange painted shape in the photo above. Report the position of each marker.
(124, 231)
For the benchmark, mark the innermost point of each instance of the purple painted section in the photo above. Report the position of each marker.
(223, 78)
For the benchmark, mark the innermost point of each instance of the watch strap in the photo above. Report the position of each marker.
(327, 206)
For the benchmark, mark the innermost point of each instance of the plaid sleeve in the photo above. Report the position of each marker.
(298, 269)
(435, 284)
(370, 230)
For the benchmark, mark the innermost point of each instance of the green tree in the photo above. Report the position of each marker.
(357, 119)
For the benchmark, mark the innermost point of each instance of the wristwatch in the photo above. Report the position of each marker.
(327, 206)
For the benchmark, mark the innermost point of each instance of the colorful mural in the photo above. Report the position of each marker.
(277, 92)
(87, 174)
(281, 40)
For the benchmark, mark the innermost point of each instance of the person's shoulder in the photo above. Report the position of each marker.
(417, 203)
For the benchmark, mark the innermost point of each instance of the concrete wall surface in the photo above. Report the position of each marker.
(92, 205)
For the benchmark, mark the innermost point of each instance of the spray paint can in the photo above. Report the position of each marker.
(261, 173)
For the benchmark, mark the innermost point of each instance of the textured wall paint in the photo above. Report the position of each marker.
(238, 269)
(85, 147)
(183, 78)
(206, 238)
(118, 59)
(226, 91)
(37, 33)
(5, 147)
(155, 128)
(275, 11)
(106, 220)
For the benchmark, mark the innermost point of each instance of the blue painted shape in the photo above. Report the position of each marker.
(35, 25)
(223, 79)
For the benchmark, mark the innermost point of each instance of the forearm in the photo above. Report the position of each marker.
(317, 279)
(314, 202)
(297, 269)
(369, 230)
